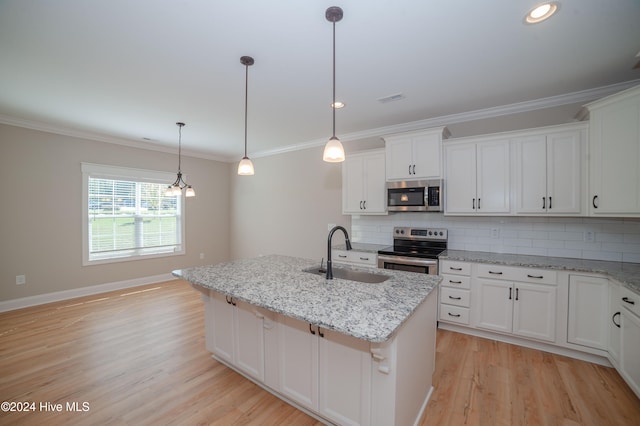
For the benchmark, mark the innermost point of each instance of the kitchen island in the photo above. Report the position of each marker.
(346, 352)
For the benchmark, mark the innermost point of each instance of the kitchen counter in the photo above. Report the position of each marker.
(371, 312)
(626, 273)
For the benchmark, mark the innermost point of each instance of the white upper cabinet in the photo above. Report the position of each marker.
(363, 183)
(415, 155)
(477, 177)
(614, 155)
(549, 171)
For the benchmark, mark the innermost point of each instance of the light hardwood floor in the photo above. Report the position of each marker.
(137, 357)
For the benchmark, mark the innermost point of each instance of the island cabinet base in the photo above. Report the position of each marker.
(336, 378)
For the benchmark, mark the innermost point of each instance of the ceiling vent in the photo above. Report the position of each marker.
(391, 98)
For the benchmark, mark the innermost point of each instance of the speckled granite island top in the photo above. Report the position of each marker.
(371, 312)
(626, 273)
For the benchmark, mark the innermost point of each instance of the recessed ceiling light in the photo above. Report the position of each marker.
(542, 12)
(391, 98)
(337, 105)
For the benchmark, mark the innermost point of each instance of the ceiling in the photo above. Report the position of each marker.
(126, 71)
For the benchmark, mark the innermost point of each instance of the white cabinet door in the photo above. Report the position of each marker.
(399, 153)
(614, 324)
(353, 176)
(614, 140)
(374, 184)
(534, 311)
(344, 378)
(427, 156)
(531, 174)
(630, 349)
(494, 305)
(363, 183)
(298, 362)
(238, 336)
(493, 177)
(460, 178)
(564, 172)
(249, 340)
(223, 327)
(588, 311)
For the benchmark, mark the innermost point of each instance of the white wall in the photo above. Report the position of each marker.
(41, 212)
(285, 208)
(613, 239)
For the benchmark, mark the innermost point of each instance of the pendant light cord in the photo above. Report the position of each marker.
(179, 146)
(333, 106)
(246, 107)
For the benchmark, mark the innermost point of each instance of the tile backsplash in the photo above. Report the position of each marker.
(583, 238)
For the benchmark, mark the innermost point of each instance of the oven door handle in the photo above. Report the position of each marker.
(402, 260)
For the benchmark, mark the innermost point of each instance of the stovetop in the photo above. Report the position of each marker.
(425, 243)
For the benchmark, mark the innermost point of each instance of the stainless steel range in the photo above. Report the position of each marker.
(414, 250)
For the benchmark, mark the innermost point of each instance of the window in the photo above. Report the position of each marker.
(126, 215)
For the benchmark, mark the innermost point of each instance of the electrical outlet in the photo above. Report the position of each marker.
(495, 232)
(201, 255)
(588, 236)
(21, 279)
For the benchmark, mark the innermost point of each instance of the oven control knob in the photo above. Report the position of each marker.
(430, 233)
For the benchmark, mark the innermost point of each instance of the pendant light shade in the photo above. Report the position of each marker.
(333, 150)
(179, 184)
(245, 168)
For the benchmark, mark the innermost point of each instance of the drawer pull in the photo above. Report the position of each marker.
(455, 269)
(627, 300)
(453, 315)
(344, 256)
(455, 298)
(495, 273)
(535, 276)
(455, 282)
(364, 258)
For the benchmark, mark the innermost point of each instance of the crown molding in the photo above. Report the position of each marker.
(98, 137)
(532, 105)
(442, 121)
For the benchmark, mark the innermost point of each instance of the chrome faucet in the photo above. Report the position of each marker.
(347, 242)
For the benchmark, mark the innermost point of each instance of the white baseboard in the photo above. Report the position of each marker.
(546, 347)
(40, 299)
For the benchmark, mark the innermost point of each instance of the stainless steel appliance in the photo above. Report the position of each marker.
(414, 250)
(415, 196)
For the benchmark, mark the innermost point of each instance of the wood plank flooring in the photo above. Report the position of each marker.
(137, 357)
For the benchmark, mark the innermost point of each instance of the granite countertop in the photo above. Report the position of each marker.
(371, 312)
(626, 273)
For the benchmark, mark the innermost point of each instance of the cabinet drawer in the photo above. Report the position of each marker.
(455, 296)
(630, 300)
(355, 257)
(454, 267)
(457, 281)
(456, 314)
(510, 273)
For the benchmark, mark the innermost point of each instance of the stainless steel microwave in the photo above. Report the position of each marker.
(415, 196)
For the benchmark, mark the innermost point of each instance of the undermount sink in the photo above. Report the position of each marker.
(348, 274)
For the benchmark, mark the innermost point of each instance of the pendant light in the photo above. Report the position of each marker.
(176, 187)
(245, 168)
(333, 150)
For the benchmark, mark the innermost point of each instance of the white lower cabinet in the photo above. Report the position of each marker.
(340, 378)
(325, 371)
(237, 336)
(526, 310)
(613, 344)
(588, 319)
(630, 339)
